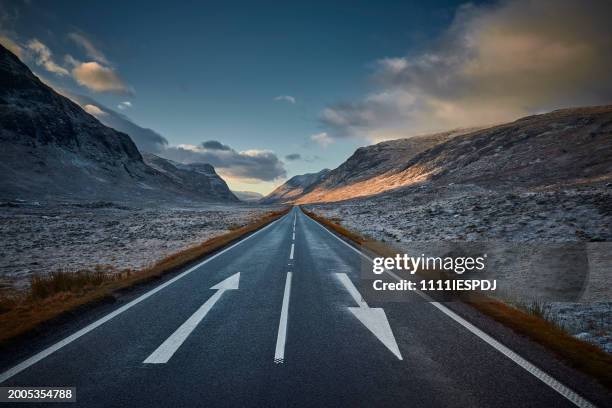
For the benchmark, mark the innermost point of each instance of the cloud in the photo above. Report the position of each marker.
(215, 145)
(293, 157)
(124, 105)
(322, 139)
(12, 46)
(494, 63)
(286, 98)
(43, 57)
(250, 165)
(94, 110)
(89, 48)
(146, 140)
(97, 77)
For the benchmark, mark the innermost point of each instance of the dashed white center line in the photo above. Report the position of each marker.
(281, 338)
(292, 249)
(11, 372)
(293, 236)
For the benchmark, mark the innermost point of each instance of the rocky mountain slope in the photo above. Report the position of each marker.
(52, 149)
(562, 148)
(192, 177)
(364, 166)
(295, 187)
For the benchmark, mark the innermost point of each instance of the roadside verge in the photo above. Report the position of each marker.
(62, 294)
(578, 354)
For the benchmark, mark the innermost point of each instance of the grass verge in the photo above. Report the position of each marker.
(59, 293)
(578, 354)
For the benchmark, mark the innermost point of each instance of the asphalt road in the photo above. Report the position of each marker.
(278, 320)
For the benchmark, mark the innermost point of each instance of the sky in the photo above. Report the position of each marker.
(268, 90)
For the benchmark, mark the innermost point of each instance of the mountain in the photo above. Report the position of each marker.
(192, 177)
(294, 188)
(248, 196)
(53, 149)
(365, 164)
(561, 148)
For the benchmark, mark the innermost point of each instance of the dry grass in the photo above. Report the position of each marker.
(51, 296)
(579, 354)
(334, 226)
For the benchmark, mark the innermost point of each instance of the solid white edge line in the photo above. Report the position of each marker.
(64, 342)
(547, 379)
(281, 338)
(292, 248)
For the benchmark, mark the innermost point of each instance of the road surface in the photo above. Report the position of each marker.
(278, 320)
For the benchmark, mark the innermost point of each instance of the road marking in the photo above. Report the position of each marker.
(374, 319)
(167, 349)
(64, 342)
(554, 384)
(292, 248)
(293, 239)
(352, 290)
(281, 338)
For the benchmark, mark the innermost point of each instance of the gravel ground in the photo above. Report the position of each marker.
(42, 238)
(550, 250)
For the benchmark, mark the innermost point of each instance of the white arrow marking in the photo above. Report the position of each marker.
(374, 319)
(281, 338)
(167, 349)
(559, 387)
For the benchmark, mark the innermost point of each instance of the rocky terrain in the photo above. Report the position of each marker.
(39, 238)
(52, 149)
(470, 213)
(535, 194)
(528, 236)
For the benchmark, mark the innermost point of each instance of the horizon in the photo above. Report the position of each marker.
(267, 93)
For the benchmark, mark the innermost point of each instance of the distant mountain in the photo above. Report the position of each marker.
(561, 148)
(194, 177)
(248, 196)
(51, 149)
(294, 188)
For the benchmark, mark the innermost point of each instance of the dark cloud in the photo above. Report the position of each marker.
(293, 157)
(257, 165)
(215, 145)
(493, 64)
